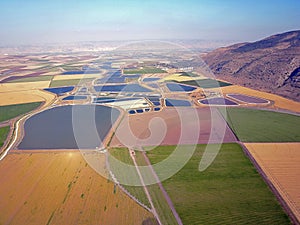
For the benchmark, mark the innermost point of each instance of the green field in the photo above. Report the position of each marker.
(188, 74)
(205, 83)
(69, 82)
(252, 125)
(3, 134)
(144, 70)
(32, 79)
(230, 191)
(11, 111)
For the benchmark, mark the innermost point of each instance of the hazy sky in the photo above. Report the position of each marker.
(44, 21)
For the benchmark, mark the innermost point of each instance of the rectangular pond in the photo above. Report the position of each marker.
(248, 99)
(151, 79)
(60, 90)
(180, 88)
(176, 102)
(121, 88)
(75, 97)
(217, 101)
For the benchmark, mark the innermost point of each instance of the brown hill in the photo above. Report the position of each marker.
(271, 64)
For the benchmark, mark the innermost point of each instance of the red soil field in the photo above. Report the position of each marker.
(168, 127)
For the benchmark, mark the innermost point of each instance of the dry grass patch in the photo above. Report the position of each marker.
(19, 97)
(61, 188)
(75, 77)
(6, 87)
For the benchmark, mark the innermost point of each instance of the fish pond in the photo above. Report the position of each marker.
(69, 127)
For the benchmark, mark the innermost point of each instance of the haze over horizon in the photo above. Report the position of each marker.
(39, 22)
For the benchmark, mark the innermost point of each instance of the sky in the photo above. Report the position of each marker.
(25, 22)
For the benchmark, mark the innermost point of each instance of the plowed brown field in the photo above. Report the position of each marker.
(281, 163)
(60, 188)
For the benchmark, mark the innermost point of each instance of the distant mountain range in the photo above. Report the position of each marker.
(271, 64)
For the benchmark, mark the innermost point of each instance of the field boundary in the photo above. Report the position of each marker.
(164, 192)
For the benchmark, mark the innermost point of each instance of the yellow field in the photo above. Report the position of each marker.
(11, 98)
(179, 78)
(281, 163)
(60, 188)
(279, 102)
(6, 87)
(76, 76)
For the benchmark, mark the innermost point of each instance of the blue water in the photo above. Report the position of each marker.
(116, 77)
(217, 101)
(89, 69)
(139, 110)
(156, 108)
(106, 65)
(60, 90)
(151, 79)
(53, 128)
(108, 100)
(176, 102)
(153, 85)
(75, 97)
(248, 99)
(132, 76)
(134, 111)
(154, 99)
(156, 103)
(103, 98)
(84, 89)
(110, 80)
(117, 73)
(180, 88)
(121, 88)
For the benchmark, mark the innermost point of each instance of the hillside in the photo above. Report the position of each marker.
(271, 64)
